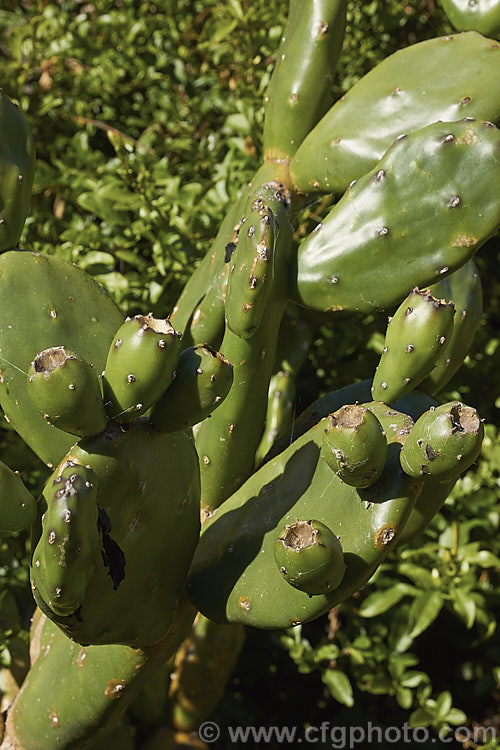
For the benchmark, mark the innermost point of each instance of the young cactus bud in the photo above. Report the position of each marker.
(416, 336)
(140, 366)
(252, 266)
(18, 507)
(354, 445)
(201, 383)
(66, 390)
(444, 442)
(310, 557)
(464, 288)
(64, 560)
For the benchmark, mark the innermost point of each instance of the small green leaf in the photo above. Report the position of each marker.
(329, 652)
(381, 601)
(443, 704)
(464, 606)
(424, 610)
(404, 697)
(421, 717)
(339, 686)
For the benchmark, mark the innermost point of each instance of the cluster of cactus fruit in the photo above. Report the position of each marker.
(145, 429)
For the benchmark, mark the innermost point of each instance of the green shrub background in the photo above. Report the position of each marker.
(148, 120)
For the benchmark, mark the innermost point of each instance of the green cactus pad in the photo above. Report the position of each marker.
(66, 391)
(199, 312)
(424, 210)
(310, 557)
(474, 15)
(463, 287)
(300, 89)
(18, 507)
(234, 576)
(66, 307)
(203, 667)
(148, 494)
(226, 443)
(17, 169)
(279, 415)
(354, 445)
(72, 694)
(444, 442)
(430, 500)
(67, 554)
(203, 380)
(411, 89)
(140, 366)
(417, 335)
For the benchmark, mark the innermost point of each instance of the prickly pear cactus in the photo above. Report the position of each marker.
(145, 427)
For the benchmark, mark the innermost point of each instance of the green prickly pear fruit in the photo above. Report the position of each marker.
(234, 576)
(140, 366)
(18, 507)
(310, 557)
(474, 15)
(395, 424)
(66, 390)
(65, 558)
(64, 305)
(355, 446)
(251, 266)
(202, 381)
(420, 214)
(148, 497)
(464, 288)
(417, 334)
(444, 442)
(17, 168)
(409, 90)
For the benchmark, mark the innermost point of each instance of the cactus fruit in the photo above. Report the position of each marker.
(474, 15)
(202, 381)
(355, 446)
(407, 91)
(234, 577)
(444, 442)
(148, 494)
(17, 169)
(422, 210)
(140, 366)
(310, 557)
(66, 391)
(251, 269)
(463, 287)
(66, 307)
(227, 442)
(66, 556)
(18, 507)
(417, 334)
(299, 91)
